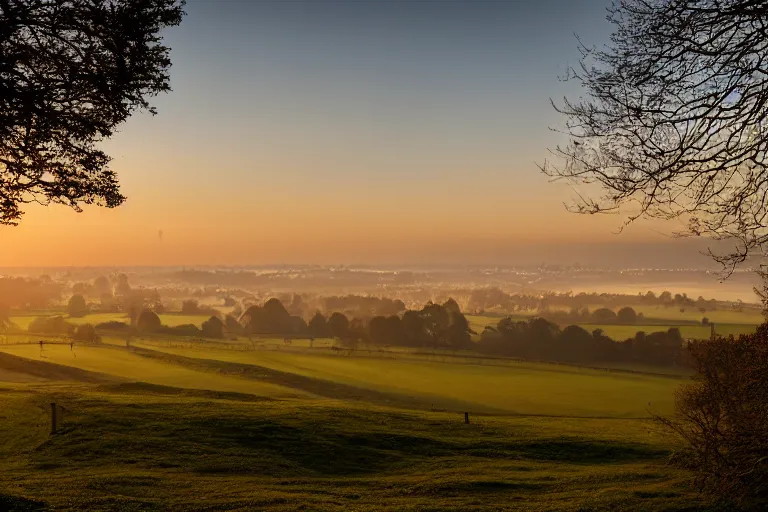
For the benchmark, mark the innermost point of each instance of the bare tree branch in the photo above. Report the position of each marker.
(674, 118)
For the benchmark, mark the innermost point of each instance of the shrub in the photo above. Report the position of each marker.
(86, 333)
(148, 321)
(604, 316)
(627, 316)
(213, 328)
(77, 307)
(180, 330)
(114, 326)
(723, 418)
(51, 325)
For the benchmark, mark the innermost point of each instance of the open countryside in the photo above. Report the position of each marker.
(377, 420)
(383, 255)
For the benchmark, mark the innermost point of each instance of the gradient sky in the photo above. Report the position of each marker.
(343, 132)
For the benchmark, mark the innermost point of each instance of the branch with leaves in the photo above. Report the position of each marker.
(71, 71)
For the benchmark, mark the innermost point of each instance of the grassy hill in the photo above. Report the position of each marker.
(161, 427)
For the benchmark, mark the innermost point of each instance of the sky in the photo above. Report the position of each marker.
(349, 132)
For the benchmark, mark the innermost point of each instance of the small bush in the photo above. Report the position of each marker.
(180, 330)
(51, 325)
(148, 321)
(723, 418)
(86, 333)
(114, 326)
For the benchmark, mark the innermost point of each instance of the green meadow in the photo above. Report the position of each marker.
(748, 323)
(164, 425)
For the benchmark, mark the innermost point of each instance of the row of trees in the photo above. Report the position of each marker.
(26, 293)
(541, 339)
(624, 316)
(434, 325)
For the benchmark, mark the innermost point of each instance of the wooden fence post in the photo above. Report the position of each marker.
(466, 418)
(53, 418)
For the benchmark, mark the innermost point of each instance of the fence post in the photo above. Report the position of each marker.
(466, 418)
(53, 418)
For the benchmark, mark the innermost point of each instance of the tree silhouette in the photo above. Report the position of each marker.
(338, 325)
(71, 72)
(603, 316)
(213, 328)
(318, 326)
(148, 321)
(87, 333)
(77, 306)
(673, 123)
(627, 316)
(723, 417)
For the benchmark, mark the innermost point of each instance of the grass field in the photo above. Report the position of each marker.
(699, 332)
(747, 316)
(125, 365)
(136, 449)
(158, 427)
(522, 388)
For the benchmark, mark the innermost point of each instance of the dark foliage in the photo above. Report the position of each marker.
(86, 333)
(723, 417)
(180, 330)
(271, 318)
(50, 325)
(77, 307)
(318, 326)
(338, 325)
(213, 328)
(356, 305)
(71, 71)
(232, 325)
(148, 321)
(435, 325)
(541, 339)
(114, 326)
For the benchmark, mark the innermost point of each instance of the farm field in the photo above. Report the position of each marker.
(124, 365)
(132, 449)
(699, 332)
(622, 332)
(182, 429)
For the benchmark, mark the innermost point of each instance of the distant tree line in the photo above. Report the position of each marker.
(495, 299)
(540, 339)
(26, 293)
(434, 326)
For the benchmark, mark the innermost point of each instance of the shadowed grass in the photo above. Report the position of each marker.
(172, 451)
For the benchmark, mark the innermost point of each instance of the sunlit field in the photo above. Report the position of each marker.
(157, 426)
(521, 388)
(124, 365)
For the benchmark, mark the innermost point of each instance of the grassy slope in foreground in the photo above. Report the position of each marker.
(517, 388)
(149, 451)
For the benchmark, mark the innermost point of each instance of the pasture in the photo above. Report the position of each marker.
(159, 426)
(623, 332)
(511, 388)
